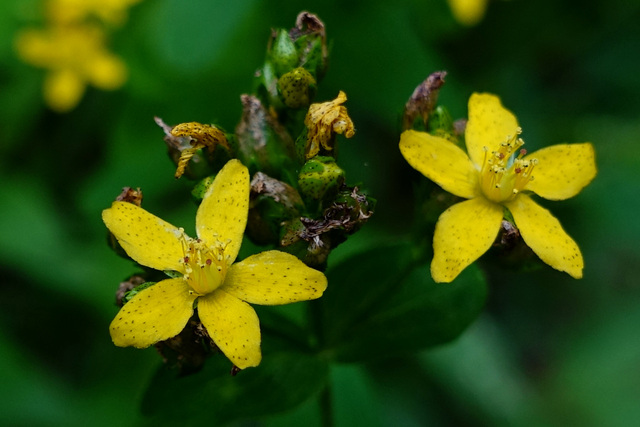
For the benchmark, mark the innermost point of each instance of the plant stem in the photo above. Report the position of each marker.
(326, 407)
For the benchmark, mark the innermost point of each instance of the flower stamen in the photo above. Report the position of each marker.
(502, 176)
(205, 265)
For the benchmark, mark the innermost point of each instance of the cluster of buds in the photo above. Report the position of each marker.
(300, 202)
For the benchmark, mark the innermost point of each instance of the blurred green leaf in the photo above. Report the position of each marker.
(383, 302)
(212, 396)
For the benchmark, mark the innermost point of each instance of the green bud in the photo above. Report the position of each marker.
(297, 88)
(201, 187)
(310, 39)
(441, 124)
(283, 53)
(320, 178)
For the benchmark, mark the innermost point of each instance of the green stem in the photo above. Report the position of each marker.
(326, 407)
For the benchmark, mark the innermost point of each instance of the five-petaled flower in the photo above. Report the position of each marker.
(74, 56)
(210, 280)
(325, 120)
(494, 175)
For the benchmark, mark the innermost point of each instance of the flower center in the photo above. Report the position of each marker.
(502, 176)
(205, 266)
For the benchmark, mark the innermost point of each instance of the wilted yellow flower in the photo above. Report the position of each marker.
(494, 175)
(468, 12)
(325, 120)
(201, 136)
(75, 57)
(210, 279)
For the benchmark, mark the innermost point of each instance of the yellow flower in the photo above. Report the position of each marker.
(468, 12)
(210, 279)
(323, 121)
(75, 56)
(494, 176)
(67, 12)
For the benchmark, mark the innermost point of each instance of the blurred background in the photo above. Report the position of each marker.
(547, 350)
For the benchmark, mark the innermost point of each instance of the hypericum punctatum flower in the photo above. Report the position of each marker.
(325, 120)
(494, 175)
(220, 288)
(74, 56)
(67, 12)
(468, 12)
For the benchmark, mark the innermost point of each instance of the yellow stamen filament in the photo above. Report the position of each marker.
(502, 178)
(205, 264)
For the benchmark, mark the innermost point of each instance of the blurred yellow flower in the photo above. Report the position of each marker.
(73, 48)
(494, 175)
(468, 12)
(75, 57)
(325, 120)
(65, 12)
(210, 278)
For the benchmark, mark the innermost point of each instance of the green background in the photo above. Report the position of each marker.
(546, 350)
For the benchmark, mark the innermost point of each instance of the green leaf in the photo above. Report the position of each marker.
(212, 396)
(383, 302)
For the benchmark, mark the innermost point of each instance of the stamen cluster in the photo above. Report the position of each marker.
(502, 177)
(205, 265)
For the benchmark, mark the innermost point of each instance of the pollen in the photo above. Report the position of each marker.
(503, 174)
(205, 264)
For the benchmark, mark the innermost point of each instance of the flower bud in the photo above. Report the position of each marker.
(441, 124)
(304, 47)
(201, 188)
(310, 40)
(320, 178)
(297, 88)
(283, 53)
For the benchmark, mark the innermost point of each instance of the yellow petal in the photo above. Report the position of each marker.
(156, 313)
(63, 90)
(463, 233)
(543, 233)
(106, 71)
(222, 215)
(441, 161)
(146, 238)
(468, 12)
(489, 125)
(272, 278)
(562, 170)
(234, 327)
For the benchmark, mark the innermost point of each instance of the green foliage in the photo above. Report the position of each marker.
(285, 379)
(389, 305)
